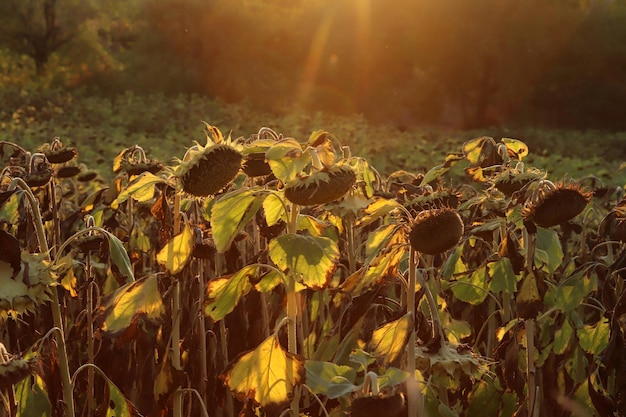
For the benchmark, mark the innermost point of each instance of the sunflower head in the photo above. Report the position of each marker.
(321, 187)
(512, 180)
(56, 153)
(205, 170)
(436, 230)
(552, 204)
(450, 363)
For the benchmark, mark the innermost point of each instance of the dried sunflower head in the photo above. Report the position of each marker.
(56, 153)
(613, 226)
(513, 180)
(12, 369)
(436, 230)
(448, 364)
(552, 204)
(205, 170)
(321, 187)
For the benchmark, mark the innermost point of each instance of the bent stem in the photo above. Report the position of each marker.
(57, 318)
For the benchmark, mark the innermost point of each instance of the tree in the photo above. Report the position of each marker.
(39, 28)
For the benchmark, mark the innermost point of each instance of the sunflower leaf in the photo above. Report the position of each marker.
(267, 375)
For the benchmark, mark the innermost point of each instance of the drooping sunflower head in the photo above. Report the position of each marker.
(321, 187)
(552, 204)
(56, 153)
(436, 230)
(205, 170)
(513, 180)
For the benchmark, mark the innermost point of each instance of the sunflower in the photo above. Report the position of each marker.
(436, 230)
(205, 170)
(552, 204)
(323, 186)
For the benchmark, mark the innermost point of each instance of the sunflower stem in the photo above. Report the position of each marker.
(177, 400)
(292, 308)
(413, 392)
(57, 318)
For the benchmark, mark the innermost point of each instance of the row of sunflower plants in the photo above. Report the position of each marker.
(270, 276)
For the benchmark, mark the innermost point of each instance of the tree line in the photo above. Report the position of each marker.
(558, 63)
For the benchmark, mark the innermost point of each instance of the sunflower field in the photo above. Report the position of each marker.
(272, 275)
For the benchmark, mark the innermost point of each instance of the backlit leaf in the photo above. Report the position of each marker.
(382, 267)
(274, 209)
(503, 278)
(175, 255)
(515, 149)
(9, 210)
(32, 398)
(378, 209)
(548, 251)
(138, 299)
(562, 338)
(485, 400)
(119, 257)
(323, 377)
(268, 374)
(287, 159)
(594, 338)
(389, 341)
(231, 213)
(140, 188)
(477, 150)
(224, 293)
(472, 289)
(311, 259)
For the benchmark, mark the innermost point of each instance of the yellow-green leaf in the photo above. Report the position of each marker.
(223, 294)
(119, 257)
(389, 341)
(377, 210)
(515, 148)
(137, 299)
(477, 150)
(472, 289)
(140, 188)
(381, 267)
(312, 260)
(562, 337)
(593, 339)
(274, 209)
(175, 255)
(231, 213)
(32, 398)
(287, 159)
(267, 375)
(503, 278)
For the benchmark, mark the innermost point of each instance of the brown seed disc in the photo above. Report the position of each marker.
(388, 406)
(435, 231)
(256, 166)
(68, 172)
(138, 168)
(87, 176)
(510, 183)
(212, 172)
(38, 179)
(559, 206)
(321, 187)
(60, 156)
